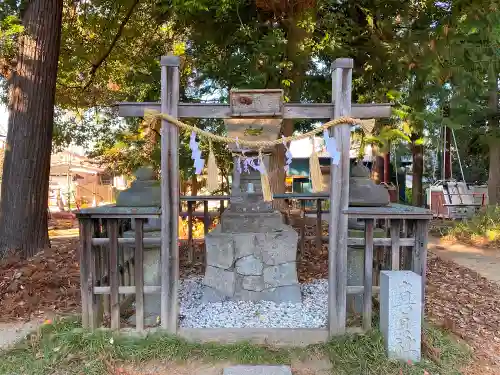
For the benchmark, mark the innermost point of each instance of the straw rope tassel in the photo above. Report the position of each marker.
(368, 126)
(212, 174)
(315, 171)
(264, 180)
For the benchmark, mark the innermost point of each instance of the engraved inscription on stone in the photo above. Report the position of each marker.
(401, 314)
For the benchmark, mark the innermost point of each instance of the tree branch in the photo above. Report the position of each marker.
(6, 68)
(97, 65)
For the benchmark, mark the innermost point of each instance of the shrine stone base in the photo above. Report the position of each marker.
(251, 256)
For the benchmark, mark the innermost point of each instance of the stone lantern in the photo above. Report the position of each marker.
(145, 192)
(365, 193)
(251, 254)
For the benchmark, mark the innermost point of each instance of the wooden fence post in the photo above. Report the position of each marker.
(419, 254)
(114, 279)
(165, 201)
(395, 246)
(368, 277)
(172, 62)
(339, 199)
(84, 255)
(139, 275)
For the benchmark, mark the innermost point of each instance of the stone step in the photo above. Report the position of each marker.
(257, 370)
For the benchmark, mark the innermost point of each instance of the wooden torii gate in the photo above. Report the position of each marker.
(339, 187)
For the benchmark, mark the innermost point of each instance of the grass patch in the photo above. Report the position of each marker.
(365, 354)
(64, 348)
(482, 229)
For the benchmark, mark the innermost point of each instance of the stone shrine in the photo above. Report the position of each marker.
(362, 192)
(251, 254)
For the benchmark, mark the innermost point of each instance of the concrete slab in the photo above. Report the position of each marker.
(257, 370)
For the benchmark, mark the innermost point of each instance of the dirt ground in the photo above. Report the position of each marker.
(467, 305)
(485, 262)
(309, 366)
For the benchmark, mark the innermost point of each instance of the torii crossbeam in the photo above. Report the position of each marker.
(319, 111)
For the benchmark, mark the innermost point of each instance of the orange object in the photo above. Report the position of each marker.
(393, 192)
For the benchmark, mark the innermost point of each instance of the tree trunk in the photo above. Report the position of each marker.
(378, 169)
(418, 172)
(227, 185)
(23, 210)
(194, 185)
(387, 164)
(494, 146)
(299, 57)
(277, 164)
(447, 154)
(494, 172)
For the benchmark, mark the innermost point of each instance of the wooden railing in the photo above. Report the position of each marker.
(112, 274)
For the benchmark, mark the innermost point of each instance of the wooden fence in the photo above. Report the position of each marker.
(112, 275)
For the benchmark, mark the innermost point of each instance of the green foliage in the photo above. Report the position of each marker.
(408, 195)
(128, 148)
(106, 56)
(485, 226)
(420, 56)
(10, 27)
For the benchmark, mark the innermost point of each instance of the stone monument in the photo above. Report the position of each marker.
(145, 192)
(401, 314)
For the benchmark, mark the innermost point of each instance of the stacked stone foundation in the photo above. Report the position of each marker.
(251, 256)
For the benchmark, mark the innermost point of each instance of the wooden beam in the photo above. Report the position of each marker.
(156, 289)
(419, 254)
(114, 281)
(319, 111)
(173, 109)
(395, 244)
(139, 275)
(85, 248)
(339, 201)
(410, 241)
(368, 275)
(165, 206)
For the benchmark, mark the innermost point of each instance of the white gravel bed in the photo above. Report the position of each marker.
(311, 313)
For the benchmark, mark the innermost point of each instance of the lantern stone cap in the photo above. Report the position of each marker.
(170, 60)
(345, 63)
(144, 174)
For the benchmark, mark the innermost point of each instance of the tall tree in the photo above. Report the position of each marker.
(466, 60)
(32, 86)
